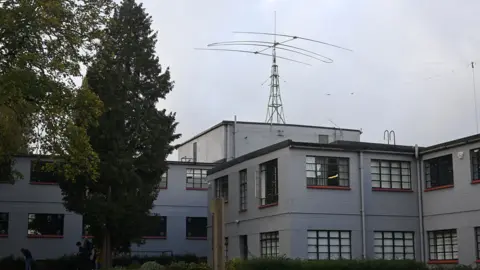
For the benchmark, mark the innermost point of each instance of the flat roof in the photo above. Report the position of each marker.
(450, 144)
(229, 122)
(335, 146)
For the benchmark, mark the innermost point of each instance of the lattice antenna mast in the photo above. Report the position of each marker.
(275, 107)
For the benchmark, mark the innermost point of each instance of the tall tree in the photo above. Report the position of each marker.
(42, 46)
(133, 137)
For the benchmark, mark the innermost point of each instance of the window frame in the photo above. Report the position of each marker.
(433, 165)
(477, 241)
(243, 185)
(453, 244)
(187, 231)
(57, 235)
(37, 174)
(191, 174)
(269, 244)
(162, 226)
(390, 174)
(321, 165)
(221, 188)
(6, 172)
(328, 245)
(393, 245)
(475, 165)
(268, 174)
(5, 220)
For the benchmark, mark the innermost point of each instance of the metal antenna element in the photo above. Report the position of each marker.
(474, 94)
(275, 113)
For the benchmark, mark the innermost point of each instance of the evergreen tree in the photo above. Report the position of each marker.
(133, 137)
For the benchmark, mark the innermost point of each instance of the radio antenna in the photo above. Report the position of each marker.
(275, 113)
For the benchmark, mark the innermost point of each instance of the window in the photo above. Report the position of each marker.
(268, 183)
(157, 227)
(39, 173)
(197, 179)
(443, 245)
(85, 229)
(243, 247)
(243, 190)
(4, 217)
(45, 224)
(6, 175)
(226, 248)
(197, 227)
(163, 180)
(394, 246)
(327, 171)
(269, 244)
(329, 245)
(439, 171)
(391, 174)
(323, 139)
(475, 163)
(477, 238)
(221, 187)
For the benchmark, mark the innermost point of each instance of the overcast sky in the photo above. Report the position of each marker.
(409, 70)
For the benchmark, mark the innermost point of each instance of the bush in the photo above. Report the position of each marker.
(152, 266)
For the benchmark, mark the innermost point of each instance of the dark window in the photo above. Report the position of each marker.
(226, 248)
(196, 227)
(477, 238)
(244, 247)
(195, 152)
(443, 245)
(221, 187)
(394, 246)
(439, 171)
(4, 217)
(157, 226)
(323, 139)
(475, 163)
(85, 229)
(6, 175)
(45, 224)
(197, 178)
(40, 174)
(329, 245)
(268, 183)
(164, 180)
(391, 174)
(269, 244)
(243, 190)
(327, 171)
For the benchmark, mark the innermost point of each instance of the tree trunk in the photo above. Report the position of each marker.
(106, 251)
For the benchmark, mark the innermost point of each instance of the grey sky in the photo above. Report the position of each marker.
(409, 69)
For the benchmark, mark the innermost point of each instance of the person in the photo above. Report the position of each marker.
(28, 258)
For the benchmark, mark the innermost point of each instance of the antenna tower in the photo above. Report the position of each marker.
(275, 112)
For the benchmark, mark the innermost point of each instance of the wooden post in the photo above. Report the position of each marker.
(218, 227)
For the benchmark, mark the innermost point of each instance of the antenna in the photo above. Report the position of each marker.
(336, 126)
(474, 94)
(275, 113)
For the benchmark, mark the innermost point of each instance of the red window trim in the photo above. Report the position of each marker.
(196, 238)
(45, 236)
(87, 237)
(443, 262)
(476, 181)
(438, 188)
(391, 189)
(329, 187)
(3, 235)
(267, 205)
(191, 188)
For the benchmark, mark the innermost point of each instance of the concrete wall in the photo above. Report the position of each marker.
(23, 198)
(210, 146)
(457, 207)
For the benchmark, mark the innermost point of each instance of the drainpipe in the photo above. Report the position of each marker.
(420, 204)
(362, 208)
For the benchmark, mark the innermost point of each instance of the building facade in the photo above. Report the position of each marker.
(32, 214)
(353, 200)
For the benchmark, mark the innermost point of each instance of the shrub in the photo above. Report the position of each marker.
(152, 265)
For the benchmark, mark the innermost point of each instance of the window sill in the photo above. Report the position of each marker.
(191, 188)
(476, 181)
(87, 237)
(443, 262)
(391, 189)
(329, 187)
(197, 238)
(44, 183)
(3, 235)
(45, 236)
(154, 237)
(438, 188)
(268, 205)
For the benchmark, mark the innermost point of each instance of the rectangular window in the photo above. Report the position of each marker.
(221, 187)
(329, 245)
(243, 247)
(197, 179)
(475, 163)
(243, 190)
(4, 217)
(157, 227)
(327, 171)
(391, 174)
(164, 181)
(443, 245)
(439, 171)
(268, 183)
(269, 243)
(394, 246)
(39, 173)
(6, 167)
(477, 238)
(323, 139)
(45, 225)
(196, 227)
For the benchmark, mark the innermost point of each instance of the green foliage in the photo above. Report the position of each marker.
(152, 265)
(42, 45)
